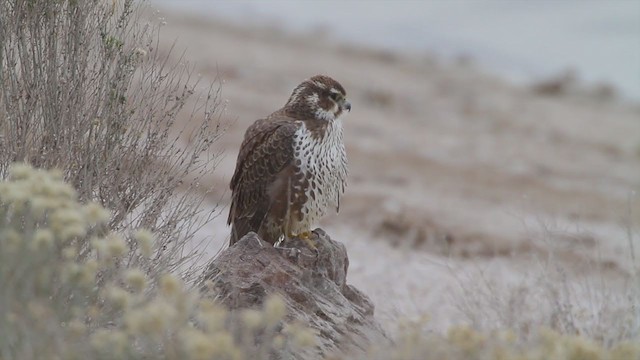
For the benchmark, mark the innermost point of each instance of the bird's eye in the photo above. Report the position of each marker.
(334, 96)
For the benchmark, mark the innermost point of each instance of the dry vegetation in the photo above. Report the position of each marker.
(96, 305)
(85, 90)
(92, 251)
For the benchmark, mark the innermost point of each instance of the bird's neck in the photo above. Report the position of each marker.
(324, 129)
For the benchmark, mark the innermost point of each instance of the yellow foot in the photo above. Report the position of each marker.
(306, 237)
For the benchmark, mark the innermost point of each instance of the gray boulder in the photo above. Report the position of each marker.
(312, 284)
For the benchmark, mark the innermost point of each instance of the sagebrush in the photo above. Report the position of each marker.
(56, 304)
(84, 89)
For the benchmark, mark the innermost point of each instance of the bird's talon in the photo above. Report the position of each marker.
(310, 243)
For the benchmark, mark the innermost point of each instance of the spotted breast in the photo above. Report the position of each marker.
(321, 166)
(292, 165)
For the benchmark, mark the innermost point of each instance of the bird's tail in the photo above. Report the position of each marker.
(234, 237)
(239, 228)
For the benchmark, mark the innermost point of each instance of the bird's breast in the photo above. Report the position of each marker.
(321, 171)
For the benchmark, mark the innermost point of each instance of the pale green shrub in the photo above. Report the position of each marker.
(66, 301)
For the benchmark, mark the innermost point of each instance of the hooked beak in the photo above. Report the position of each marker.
(346, 106)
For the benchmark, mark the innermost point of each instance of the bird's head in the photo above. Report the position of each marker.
(319, 97)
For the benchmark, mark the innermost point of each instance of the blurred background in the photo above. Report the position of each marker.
(521, 40)
(487, 140)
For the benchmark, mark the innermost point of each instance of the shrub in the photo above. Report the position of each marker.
(83, 89)
(57, 303)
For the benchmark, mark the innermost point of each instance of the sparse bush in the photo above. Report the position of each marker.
(550, 296)
(57, 304)
(84, 89)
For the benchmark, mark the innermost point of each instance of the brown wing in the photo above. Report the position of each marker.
(267, 148)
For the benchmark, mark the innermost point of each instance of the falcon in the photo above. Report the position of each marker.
(292, 165)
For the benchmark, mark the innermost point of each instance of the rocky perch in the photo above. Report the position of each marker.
(314, 289)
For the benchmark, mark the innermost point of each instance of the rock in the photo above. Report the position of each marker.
(314, 289)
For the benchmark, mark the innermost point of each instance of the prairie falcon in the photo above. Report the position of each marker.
(292, 165)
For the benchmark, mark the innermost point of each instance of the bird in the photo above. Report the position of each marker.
(292, 165)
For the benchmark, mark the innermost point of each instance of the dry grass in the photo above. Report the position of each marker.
(600, 305)
(84, 90)
(465, 343)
